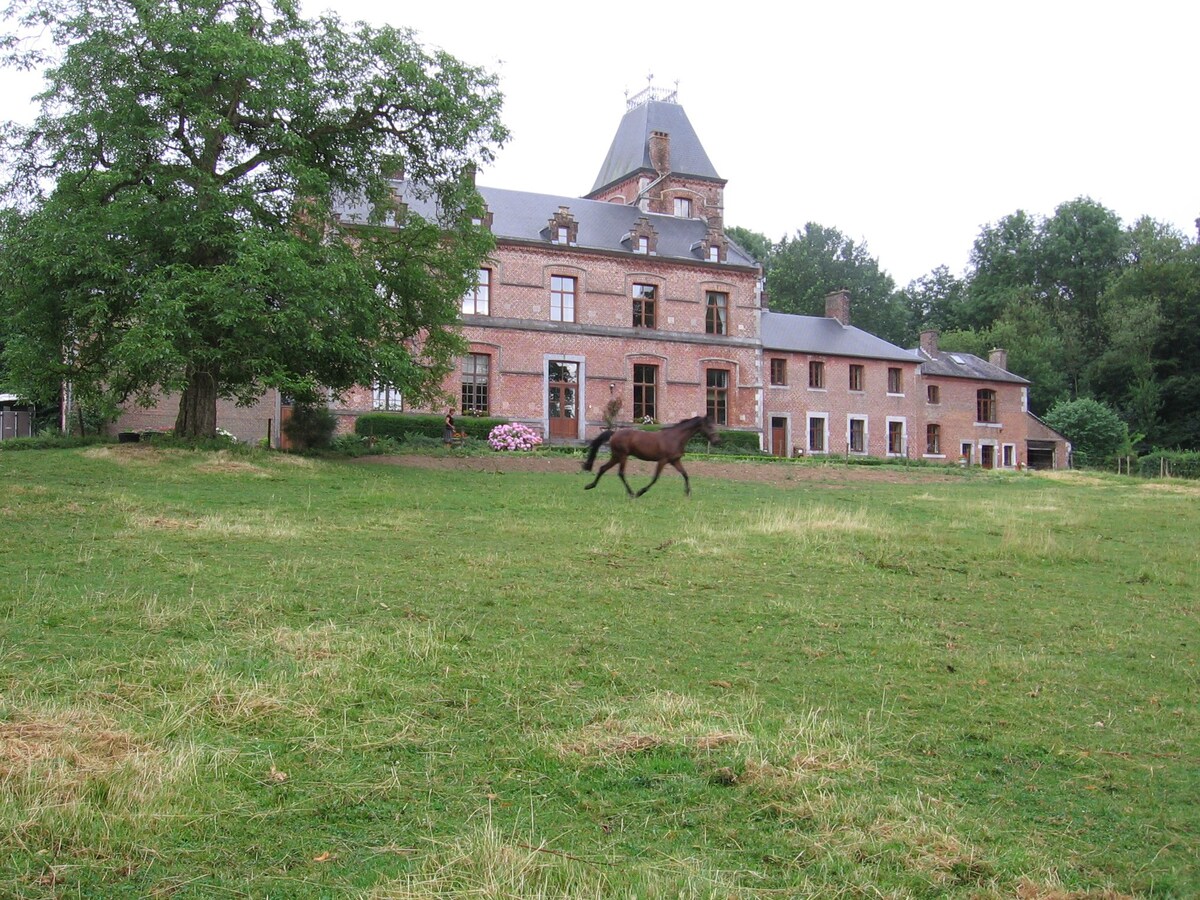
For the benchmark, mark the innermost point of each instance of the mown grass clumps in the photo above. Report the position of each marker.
(266, 674)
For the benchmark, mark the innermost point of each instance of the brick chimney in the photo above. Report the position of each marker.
(999, 358)
(660, 151)
(929, 342)
(837, 306)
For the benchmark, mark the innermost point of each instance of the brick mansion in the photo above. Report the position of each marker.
(635, 291)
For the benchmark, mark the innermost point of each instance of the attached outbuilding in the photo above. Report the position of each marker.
(16, 417)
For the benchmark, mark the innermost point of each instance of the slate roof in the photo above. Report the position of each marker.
(817, 334)
(522, 215)
(964, 365)
(630, 150)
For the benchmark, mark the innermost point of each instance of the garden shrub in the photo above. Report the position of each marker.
(513, 436)
(310, 427)
(1095, 431)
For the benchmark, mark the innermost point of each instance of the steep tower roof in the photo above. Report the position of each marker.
(648, 112)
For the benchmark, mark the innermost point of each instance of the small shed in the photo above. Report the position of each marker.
(16, 417)
(1045, 448)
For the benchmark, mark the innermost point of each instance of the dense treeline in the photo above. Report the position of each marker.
(1086, 306)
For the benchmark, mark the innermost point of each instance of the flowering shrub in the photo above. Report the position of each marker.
(513, 436)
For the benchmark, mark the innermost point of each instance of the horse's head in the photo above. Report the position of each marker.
(709, 430)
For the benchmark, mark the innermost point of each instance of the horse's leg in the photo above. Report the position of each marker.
(657, 471)
(687, 485)
(621, 472)
(604, 468)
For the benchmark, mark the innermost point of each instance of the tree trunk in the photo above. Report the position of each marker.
(198, 405)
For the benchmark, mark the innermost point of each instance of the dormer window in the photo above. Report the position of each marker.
(683, 208)
(484, 221)
(714, 254)
(562, 227)
(642, 238)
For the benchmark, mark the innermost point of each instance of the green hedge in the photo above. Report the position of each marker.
(400, 425)
(1181, 463)
(731, 441)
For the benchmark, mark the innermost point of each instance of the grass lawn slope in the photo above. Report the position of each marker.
(260, 675)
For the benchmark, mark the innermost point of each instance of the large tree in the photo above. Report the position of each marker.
(171, 210)
(802, 270)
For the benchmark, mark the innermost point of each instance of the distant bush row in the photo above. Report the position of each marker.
(1178, 463)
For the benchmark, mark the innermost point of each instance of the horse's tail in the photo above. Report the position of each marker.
(594, 448)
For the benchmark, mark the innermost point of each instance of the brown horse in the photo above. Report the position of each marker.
(662, 447)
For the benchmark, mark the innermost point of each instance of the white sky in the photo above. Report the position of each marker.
(907, 124)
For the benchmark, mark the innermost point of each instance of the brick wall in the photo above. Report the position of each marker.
(835, 404)
(956, 413)
(250, 424)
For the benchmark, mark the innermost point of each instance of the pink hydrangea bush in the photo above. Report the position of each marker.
(513, 436)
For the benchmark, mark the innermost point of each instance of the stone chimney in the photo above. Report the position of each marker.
(929, 342)
(837, 306)
(999, 358)
(660, 152)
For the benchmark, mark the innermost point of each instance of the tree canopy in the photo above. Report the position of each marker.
(1086, 306)
(170, 215)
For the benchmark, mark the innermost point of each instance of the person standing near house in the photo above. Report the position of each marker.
(448, 431)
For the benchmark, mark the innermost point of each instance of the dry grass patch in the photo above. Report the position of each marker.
(140, 455)
(1027, 889)
(654, 720)
(805, 527)
(1173, 487)
(1025, 541)
(1070, 476)
(238, 701)
(938, 855)
(259, 524)
(25, 490)
(222, 463)
(487, 864)
(56, 765)
(812, 522)
(290, 459)
(75, 743)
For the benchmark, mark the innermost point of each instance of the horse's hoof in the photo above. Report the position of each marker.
(588, 487)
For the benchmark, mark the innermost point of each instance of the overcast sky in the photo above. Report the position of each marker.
(905, 124)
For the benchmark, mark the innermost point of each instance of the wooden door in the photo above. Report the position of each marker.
(779, 446)
(987, 456)
(563, 400)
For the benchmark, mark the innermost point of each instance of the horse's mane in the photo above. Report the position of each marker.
(684, 422)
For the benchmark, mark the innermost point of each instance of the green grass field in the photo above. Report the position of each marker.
(259, 675)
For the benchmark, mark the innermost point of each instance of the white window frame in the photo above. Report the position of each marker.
(1008, 456)
(823, 418)
(386, 397)
(562, 308)
(472, 296)
(941, 442)
(903, 420)
(866, 450)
